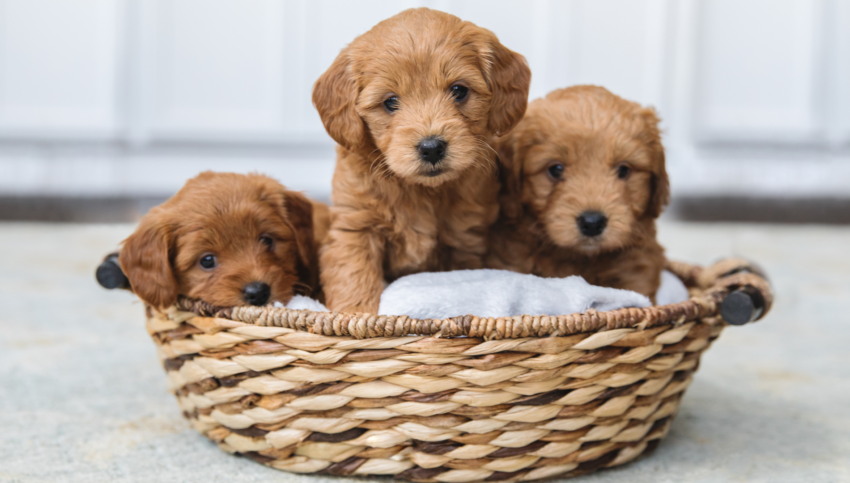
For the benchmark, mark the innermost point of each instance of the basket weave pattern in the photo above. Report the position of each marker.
(454, 400)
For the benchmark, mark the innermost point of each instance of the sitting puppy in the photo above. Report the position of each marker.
(413, 104)
(583, 182)
(228, 239)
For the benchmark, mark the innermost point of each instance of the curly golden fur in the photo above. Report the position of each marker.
(582, 150)
(255, 229)
(419, 75)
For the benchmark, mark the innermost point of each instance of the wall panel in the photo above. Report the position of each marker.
(760, 71)
(840, 49)
(618, 44)
(59, 68)
(214, 69)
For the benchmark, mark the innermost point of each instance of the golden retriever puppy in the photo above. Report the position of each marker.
(413, 104)
(228, 239)
(583, 182)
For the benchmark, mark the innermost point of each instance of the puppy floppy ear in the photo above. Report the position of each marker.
(299, 215)
(510, 175)
(509, 78)
(335, 97)
(660, 186)
(145, 259)
(659, 196)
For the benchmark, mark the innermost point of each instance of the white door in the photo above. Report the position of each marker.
(131, 97)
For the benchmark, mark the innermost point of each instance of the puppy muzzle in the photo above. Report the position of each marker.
(256, 293)
(592, 223)
(432, 149)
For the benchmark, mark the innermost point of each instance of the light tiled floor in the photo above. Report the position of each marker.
(82, 396)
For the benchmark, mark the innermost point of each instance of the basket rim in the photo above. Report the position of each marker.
(712, 284)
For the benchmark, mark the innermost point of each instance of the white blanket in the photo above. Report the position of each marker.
(302, 302)
(671, 291)
(500, 293)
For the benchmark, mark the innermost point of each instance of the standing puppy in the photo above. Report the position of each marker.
(583, 182)
(413, 104)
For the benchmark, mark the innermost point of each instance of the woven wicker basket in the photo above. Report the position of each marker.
(454, 400)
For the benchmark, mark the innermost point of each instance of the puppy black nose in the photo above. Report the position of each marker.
(432, 149)
(591, 223)
(256, 293)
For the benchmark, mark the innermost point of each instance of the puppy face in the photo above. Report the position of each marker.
(590, 166)
(420, 93)
(226, 239)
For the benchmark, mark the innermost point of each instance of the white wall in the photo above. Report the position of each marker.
(131, 97)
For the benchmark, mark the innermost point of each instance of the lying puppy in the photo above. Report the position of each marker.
(228, 239)
(413, 104)
(583, 182)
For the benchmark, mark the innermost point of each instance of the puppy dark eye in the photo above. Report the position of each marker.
(391, 104)
(208, 261)
(623, 171)
(267, 241)
(459, 92)
(556, 171)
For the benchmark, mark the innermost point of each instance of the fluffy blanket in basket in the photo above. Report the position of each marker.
(500, 293)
